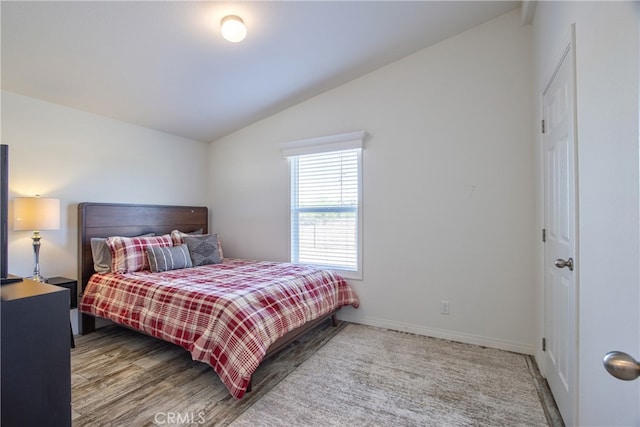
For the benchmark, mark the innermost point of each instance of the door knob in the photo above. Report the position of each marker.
(621, 365)
(560, 263)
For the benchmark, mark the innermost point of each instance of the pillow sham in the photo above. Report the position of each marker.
(128, 254)
(177, 235)
(171, 258)
(102, 255)
(203, 249)
(178, 239)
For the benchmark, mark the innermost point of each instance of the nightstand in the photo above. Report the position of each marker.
(72, 285)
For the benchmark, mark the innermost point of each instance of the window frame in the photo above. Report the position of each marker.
(333, 143)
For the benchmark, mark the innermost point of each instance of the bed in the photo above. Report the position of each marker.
(231, 314)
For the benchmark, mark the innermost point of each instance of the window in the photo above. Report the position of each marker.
(326, 202)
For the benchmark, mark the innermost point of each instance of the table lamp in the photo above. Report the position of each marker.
(36, 214)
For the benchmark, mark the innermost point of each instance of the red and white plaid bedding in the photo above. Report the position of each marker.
(226, 315)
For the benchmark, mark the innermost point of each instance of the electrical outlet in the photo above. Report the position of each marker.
(444, 307)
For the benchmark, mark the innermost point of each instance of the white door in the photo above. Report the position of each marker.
(560, 263)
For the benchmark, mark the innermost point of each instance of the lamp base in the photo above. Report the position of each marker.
(38, 278)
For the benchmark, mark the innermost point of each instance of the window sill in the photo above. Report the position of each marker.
(349, 275)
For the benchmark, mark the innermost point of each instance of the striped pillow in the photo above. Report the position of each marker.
(128, 254)
(165, 259)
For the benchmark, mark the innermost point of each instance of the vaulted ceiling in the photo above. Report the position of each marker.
(165, 66)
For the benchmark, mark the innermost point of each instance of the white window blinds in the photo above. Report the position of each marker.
(326, 204)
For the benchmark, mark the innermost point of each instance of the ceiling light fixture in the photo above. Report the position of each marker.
(233, 28)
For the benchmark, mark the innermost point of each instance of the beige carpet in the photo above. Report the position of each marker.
(352, 375)
(369, 376)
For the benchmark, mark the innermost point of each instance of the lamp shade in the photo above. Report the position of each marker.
(36, 213)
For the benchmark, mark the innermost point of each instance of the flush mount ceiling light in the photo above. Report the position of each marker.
(233, 28)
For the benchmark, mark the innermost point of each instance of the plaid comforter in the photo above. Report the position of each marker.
(226, 315)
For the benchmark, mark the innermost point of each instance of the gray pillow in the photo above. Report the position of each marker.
(203, 249)
(102, 255)
(165, 259)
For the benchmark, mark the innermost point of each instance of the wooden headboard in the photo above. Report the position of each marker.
(113, 219)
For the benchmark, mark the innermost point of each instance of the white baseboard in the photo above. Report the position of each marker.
(514, 346)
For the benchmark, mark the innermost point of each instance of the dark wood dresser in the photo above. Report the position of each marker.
(35, 350)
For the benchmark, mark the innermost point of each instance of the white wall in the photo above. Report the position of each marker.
(448, 186)
(78, 157)
(607, 128)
